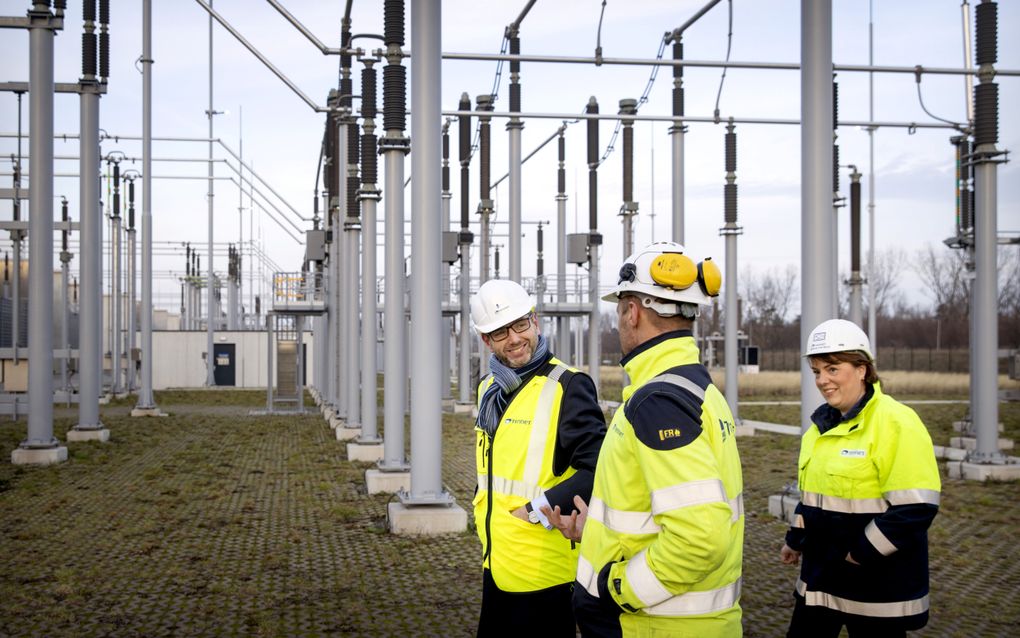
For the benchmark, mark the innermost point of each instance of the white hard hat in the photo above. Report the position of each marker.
(499, 302)
(662, 270)
(837, 335)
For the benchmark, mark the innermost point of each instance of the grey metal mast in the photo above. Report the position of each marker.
(369, 196)
(116, 300)
(426, 308)
(65, 315)
(40, 446)
(210, 377)
(730, 231)
(984, 361)
(146, 404)
(562, 322)
(594, 241)
(629, 208)
(465, 239)
(856, 281)
(131, 250)
(817, 290)
(90, 311)
(394, 145)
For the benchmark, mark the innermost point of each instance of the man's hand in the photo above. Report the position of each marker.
(788, 555)
(570, 526)
(522, 514)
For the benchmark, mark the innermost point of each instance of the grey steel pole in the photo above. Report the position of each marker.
(562, 323)
(730, 230)
(514, 126)
(394, 147)
(352, 270)
(426, 309)
(465, 238)
(210, 377)
(65, 313)
(816, 194)
(984, 360)
(856, 282)
(116, 300)
(369, 382)
(270, 320)
(343, 398)
(394, 321)
(369, 196)
(449, 340)
(676, 134)
(131, 328)
(466, 332)
(90, 265)
(40, 236)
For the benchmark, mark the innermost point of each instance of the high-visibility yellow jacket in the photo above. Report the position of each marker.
(547, 443)
(667, 507)
(870, 487)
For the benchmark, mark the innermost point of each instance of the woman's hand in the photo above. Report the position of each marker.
(570, 526)
(788, 555)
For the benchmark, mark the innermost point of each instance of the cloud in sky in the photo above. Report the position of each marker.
(281, 135)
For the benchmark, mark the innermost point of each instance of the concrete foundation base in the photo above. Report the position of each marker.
(336, 422)
(745, 429)
(967, 426)
(425, 520)
(765, 426)
(379, 482)
(950, 453)
(48, 456)
(985, 472)
(347, 434)
(970, 443)
(367, 452)
(148, 412)
(104, 400)
(463, 408)
(75, 435)
(782, 506)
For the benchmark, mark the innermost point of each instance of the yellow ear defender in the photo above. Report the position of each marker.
(673, 270)
(709, 277)
(678, 272)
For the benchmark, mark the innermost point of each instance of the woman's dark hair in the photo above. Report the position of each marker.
(855, 358)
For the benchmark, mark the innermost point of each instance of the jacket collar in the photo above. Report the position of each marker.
(658, 354)
(827, 417)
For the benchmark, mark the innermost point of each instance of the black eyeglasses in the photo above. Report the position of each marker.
(518, 326)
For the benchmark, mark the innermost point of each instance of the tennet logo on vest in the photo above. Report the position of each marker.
(857, 454)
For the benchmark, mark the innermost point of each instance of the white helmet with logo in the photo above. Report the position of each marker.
(663, 271)
(499, 302)
(837, 335)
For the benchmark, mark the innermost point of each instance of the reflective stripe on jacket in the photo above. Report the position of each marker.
(870, 487)
(515, 467)
(667, 506)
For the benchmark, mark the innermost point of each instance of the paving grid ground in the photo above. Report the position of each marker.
(211, 522)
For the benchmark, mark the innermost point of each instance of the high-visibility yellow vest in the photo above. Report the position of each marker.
(849, 476)
(514, 467)
(669, 512)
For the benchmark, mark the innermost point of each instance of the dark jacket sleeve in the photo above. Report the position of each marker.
(581, 429)
(795, 536)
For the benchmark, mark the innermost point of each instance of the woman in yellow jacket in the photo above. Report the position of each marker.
(870, 488)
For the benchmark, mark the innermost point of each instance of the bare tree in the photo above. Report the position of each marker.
(768, 298)
(944, 275)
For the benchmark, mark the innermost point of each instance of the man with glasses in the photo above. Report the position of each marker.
(663, 533)
(539, 431)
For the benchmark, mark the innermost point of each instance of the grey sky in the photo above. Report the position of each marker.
(281, 135)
